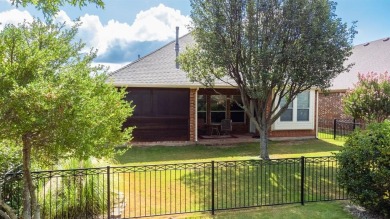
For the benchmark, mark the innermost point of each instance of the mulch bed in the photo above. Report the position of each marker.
(360, 212)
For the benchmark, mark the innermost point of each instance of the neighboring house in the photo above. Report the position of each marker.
(368, 57)
(169, 107)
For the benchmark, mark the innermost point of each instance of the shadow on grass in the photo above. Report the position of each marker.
(250, 150)
(244, 184)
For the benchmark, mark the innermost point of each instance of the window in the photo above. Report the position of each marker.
(202, 108)
(303, 106)
(217, 108)
(288, 114)
(237, 113)
(299, 114)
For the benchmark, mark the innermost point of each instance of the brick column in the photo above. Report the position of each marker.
(192, 114)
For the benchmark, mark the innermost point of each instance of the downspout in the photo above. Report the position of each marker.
(196, 115)
(317, 100)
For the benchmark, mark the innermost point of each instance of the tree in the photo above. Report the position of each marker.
(53, 103)
(370, 98)
(50, 8)
(272, 50)
(364, 168)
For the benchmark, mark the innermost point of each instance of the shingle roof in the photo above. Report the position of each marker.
(157, 69)
(368, 57)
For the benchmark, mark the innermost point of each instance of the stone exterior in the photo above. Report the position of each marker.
(330, 106)
(192, 114)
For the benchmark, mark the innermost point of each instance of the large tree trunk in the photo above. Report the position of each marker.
(26, 192)
(30, 205)
(264, 139)
(264, 144)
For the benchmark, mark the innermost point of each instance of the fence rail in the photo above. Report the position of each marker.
(142, 191)
(337, 128)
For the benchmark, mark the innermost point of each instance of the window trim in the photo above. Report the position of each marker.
(295, 124)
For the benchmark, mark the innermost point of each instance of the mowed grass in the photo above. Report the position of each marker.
(244, 151)
(177, 188)
(318, 210)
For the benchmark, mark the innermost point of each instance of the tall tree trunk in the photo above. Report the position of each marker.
(264, 139)
(30, 205)
(26, 192)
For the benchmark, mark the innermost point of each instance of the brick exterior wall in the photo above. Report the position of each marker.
(330, 106)
(192, 114)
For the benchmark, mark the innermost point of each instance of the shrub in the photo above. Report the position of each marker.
(75, 194)
(365, 168)
(370, 99)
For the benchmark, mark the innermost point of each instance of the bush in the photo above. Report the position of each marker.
(370, 99)
(78, 194)
(365, 168)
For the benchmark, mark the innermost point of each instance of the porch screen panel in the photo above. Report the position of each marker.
(160, 114)
(202, 108)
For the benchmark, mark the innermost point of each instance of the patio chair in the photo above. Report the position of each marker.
(226, 126)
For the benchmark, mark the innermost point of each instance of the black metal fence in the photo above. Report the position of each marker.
(337, 128)
(141, 191)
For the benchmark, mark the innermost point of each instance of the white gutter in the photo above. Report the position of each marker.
(317, 100)
(196, 115)
(170, 86)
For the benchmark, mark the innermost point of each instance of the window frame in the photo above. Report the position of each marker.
(295, 124)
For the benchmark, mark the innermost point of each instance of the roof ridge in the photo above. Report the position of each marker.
(147, 55)
(381, 39)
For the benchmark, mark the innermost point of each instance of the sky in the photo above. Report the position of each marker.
(125, 29)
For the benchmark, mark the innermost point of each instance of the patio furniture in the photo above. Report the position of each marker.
(215, 128)
(226, 126)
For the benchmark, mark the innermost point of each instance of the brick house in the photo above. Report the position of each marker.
(368, 57)
(169, 107)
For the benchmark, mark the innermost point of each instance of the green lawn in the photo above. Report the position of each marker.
(319, 210)
(168, 188)
(244, 151)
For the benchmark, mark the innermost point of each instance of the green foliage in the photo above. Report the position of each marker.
(50, 8)
(52, 94)
(269, 49)
(74, 195)
(53, 103)
(365, 167)
(10, 157)
(370, 99)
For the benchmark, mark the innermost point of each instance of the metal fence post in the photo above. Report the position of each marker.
(108, 194)
(212, 188)
(302, 180)
(334, 128)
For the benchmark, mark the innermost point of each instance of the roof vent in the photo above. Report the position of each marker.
(387, 39)
(366, 44)
(177, 46)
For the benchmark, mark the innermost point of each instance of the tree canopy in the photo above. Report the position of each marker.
(53, 103)
(271, 50)
(52, 7)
